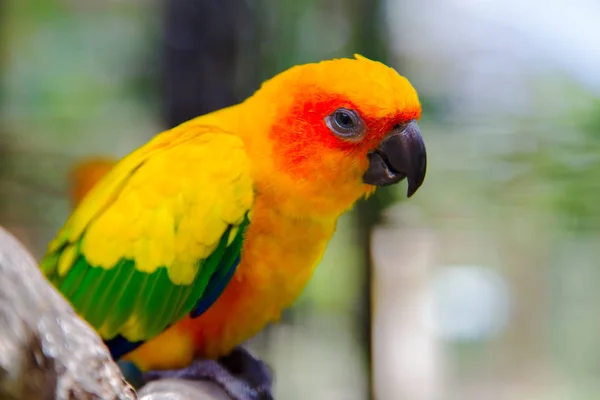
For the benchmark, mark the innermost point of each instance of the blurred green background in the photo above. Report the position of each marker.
(483, 286)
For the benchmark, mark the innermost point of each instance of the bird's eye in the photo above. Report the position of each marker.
(344, 120)
(346, 124)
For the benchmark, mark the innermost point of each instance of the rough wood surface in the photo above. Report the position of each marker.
(48, 352)
(173, 389)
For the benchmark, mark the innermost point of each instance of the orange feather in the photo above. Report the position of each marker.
(85, 175)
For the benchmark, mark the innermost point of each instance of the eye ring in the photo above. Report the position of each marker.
(346, 124)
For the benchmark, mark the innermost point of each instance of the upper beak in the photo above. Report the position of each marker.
(401, 154)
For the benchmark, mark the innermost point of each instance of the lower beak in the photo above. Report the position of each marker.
(401, 154)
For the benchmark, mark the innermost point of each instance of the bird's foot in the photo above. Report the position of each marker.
(251, 370)
(240, 374)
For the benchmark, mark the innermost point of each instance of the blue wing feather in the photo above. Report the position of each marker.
(119, 346)
(216, 286)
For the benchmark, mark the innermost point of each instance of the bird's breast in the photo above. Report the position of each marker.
(278, 258)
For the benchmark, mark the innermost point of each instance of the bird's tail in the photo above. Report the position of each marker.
(85, 175)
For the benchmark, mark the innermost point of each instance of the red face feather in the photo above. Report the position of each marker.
(302, 132)
(305, 156)
(302, 140)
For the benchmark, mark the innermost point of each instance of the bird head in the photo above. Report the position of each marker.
(338, 129)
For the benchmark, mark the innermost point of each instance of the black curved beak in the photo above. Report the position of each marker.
(400, 155)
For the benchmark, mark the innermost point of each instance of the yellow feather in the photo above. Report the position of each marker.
(133, 329)
(158, 209)
(232, 235)
(66, 260)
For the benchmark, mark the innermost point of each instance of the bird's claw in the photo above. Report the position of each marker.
(240, 374)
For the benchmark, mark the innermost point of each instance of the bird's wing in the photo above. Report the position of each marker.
(158, 237)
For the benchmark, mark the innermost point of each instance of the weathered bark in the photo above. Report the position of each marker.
(46, 351)
(173, 389)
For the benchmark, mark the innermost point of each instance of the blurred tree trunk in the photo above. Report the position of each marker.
(205, 44)
(370, 41)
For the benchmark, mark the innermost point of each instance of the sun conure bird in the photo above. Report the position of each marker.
(194, 242)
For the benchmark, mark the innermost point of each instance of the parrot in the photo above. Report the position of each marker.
(191, 244)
